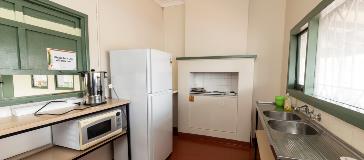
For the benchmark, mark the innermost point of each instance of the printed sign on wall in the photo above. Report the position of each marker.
(61, 60)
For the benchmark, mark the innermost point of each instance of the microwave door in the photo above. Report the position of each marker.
(96, 129)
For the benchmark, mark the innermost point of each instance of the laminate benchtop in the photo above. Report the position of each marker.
(13, 125)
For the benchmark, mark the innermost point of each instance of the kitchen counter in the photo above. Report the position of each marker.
(322, 146)
(14, 125)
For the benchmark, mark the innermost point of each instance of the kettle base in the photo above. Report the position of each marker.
(94, 104)
(94, 100)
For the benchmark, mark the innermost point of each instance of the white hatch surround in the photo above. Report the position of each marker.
(239, 125)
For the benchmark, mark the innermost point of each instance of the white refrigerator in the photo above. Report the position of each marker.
(144, 76)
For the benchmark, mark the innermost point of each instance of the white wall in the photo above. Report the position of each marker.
(174, 35)
(174, 43)
(265, 38)
(127, 24)
(216, 27)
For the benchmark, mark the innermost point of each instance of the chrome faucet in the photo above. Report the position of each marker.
(316, 117)
(305, 107)
(310, 114)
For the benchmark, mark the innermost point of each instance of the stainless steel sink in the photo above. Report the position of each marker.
(281, 115)
(292, 127)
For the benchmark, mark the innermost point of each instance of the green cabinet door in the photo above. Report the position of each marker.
(9, 47)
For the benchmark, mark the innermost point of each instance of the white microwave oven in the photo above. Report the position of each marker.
(80, 134)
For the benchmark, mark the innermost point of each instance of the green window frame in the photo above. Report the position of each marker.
(306, 93)
(52, 12)
(49, 9)
(298, 85)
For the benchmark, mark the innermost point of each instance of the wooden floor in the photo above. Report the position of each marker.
(193, 147)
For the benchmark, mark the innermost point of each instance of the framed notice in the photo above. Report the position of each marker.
(39, 81)
(61, 60)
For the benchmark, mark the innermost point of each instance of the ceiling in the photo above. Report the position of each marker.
(168, 3)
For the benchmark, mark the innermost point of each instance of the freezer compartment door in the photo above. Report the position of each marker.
(161, 134)
(129, 72)
(160, 71)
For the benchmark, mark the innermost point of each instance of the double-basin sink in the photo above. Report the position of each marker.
(288, 122)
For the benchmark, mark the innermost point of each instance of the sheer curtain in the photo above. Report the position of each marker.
(339, 72)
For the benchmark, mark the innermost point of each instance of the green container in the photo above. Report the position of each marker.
(279, 101)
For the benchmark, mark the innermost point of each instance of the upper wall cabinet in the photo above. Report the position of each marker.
(28, 28)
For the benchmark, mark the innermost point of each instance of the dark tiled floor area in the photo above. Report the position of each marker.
(192, 147)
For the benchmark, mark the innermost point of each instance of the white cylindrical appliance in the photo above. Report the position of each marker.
(94, 85)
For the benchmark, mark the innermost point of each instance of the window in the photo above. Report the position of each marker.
(339, 72)
(326, 61)
(301, 59)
